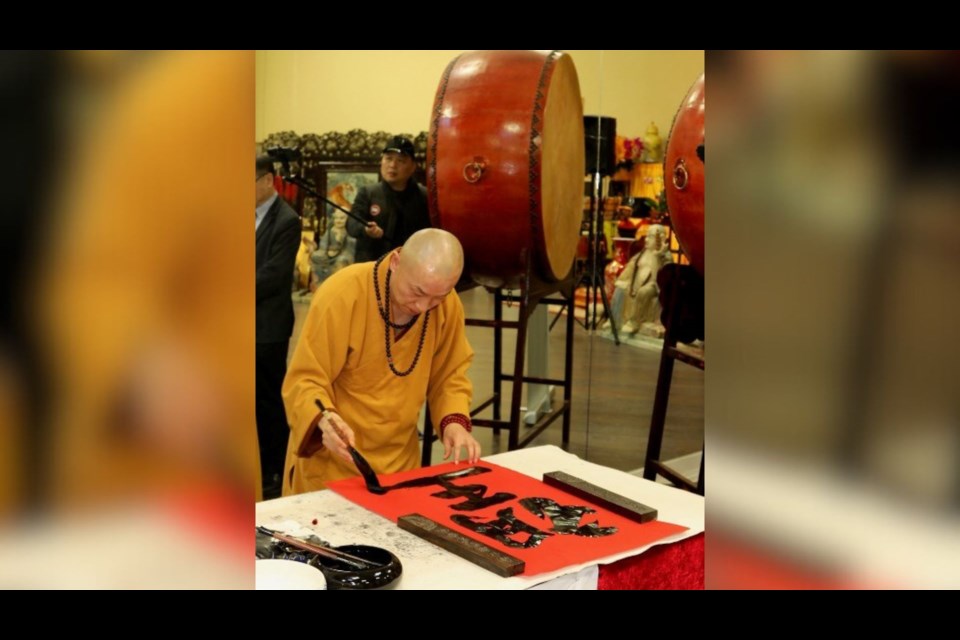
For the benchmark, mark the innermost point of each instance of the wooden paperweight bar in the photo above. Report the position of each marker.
(631, 509)
(476, 552)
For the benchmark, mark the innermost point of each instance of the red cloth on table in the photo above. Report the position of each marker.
(666, 566)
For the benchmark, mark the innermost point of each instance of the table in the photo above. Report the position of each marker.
(339, 521)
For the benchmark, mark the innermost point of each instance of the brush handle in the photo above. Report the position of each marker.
(353, 561)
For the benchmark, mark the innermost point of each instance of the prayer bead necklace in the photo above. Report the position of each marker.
(385, 314)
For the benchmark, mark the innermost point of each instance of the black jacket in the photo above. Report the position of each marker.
(278, 240)
(399, 213)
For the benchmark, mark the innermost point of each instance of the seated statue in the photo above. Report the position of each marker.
(636, 295)
(335, 251)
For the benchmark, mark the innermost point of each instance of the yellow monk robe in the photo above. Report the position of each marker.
(341, 359)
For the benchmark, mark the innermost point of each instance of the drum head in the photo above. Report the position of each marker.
(563, 169)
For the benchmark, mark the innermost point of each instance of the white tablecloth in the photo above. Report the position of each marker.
(426, 566)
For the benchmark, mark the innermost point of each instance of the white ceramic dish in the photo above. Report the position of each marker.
(276, 574)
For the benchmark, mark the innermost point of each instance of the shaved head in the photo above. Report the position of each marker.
(434, 251)
(425, 271)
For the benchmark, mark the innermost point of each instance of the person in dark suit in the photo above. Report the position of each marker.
(394, 209)
(278, 239)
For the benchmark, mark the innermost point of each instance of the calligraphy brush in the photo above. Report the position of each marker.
(369, 475)
(326, 552)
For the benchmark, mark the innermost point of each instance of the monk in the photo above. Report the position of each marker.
(379, 339)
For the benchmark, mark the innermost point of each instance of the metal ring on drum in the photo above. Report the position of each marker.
(684, 161)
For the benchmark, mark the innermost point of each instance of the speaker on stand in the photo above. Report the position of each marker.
(600, 134)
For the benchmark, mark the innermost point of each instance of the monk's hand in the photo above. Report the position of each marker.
(337, 435)
(373, 230)
(456, 436)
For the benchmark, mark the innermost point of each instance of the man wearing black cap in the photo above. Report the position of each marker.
(394, 209)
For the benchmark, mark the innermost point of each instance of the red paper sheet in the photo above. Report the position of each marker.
(555, 552)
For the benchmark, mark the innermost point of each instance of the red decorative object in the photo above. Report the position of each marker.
(627, 228)
(621, 253)
(287, 190)
(684, 174)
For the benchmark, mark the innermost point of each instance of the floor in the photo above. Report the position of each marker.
(613, 390)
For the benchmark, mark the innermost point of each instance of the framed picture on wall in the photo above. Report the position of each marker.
(341, 182)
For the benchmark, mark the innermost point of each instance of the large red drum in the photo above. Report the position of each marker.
(505, 163)
(684, 174)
